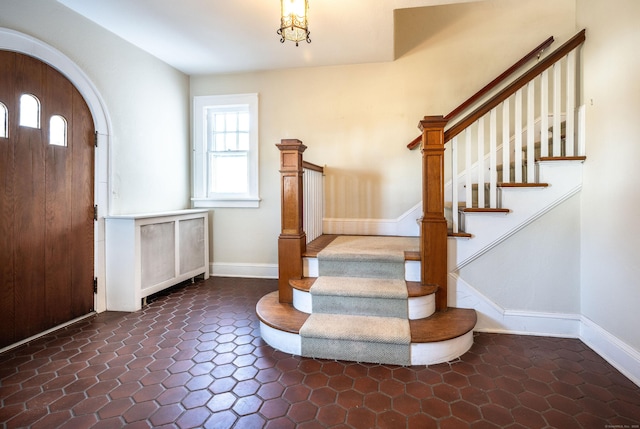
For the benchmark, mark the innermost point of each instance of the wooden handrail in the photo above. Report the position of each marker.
(536, 52)
(311, 166)
(491, 85)
(415, 142)
(485, 108)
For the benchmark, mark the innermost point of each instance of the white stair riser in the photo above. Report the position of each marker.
(441, 351)
(411, 269)
(280, 340)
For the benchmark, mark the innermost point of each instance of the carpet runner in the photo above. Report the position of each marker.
(360, 302)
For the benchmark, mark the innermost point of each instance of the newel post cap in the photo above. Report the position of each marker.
(432, 122)
(291, 144)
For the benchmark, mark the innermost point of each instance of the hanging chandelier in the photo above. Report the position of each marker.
(294, 22)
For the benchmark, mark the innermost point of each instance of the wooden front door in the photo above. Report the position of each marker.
(46, 199)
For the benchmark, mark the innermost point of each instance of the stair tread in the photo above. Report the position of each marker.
(414, 289)
(461, 234)
(562, 158)
(303, 284)
(278, 315)
(441, 326)
(483, 210)
(351, 327)
(412, 255)
(522, 185)
(314, 247)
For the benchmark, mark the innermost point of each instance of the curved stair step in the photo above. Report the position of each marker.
(439, 338)
(443, 325)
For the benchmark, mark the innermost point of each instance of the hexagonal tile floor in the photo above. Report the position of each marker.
(193, 357)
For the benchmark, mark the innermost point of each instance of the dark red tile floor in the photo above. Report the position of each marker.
(194, 358)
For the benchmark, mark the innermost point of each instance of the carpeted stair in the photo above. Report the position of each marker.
(360, 302)
(356, 305)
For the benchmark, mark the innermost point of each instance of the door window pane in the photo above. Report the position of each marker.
(57, 131)
(4, 121)
(29, 111)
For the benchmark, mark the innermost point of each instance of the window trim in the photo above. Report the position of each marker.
(200, 196)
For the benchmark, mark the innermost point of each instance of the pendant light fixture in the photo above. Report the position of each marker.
(294, 22)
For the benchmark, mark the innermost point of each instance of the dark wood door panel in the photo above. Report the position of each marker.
(46, 201)
(29, 211)
(7, 201)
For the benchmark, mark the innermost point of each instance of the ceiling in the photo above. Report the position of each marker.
(230, 36)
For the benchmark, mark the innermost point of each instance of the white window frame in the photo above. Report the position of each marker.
(202, 197)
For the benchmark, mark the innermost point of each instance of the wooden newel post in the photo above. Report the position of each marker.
(292, 242)
(433, 225)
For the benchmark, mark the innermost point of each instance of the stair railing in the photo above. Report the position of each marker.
(536, 104)
(302, 199)
(313, 200)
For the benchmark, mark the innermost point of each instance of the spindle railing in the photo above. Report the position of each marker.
(313, 200)
(505, 127)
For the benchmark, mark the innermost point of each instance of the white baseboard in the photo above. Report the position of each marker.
(493, 318)
(405, 225)
(619, 354)
(229, 269)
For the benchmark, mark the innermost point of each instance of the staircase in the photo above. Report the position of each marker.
(480, 227)
(365, 308)
(391, 305)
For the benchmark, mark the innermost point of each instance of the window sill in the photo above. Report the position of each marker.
(250, 202)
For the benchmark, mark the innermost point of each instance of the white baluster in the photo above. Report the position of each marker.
(506, 140)
(517, 156)
(544, 114)
(569, 142)
(531, 143)
(557, 113)
(582, 111)
(454, 184)
(480, 162)
(467, 169)
(493, 174)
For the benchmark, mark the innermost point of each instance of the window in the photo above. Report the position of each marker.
(4, 121)
(225, 151)
(57, 131)
(29, 111)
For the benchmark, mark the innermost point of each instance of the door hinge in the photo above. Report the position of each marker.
(95, 285)
(95, 212)
(95, 139)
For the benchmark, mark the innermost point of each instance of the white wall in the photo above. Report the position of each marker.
(146, 99)
(358, 119)
(610, 198)
(538, 268)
